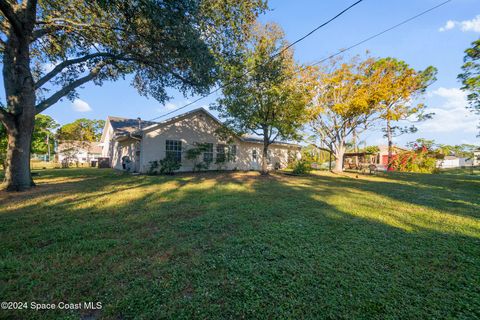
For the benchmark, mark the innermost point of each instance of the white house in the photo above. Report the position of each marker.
(453, 162)
(78, 152)
(139, 143)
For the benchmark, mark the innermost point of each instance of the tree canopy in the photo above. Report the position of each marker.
(81, 130)
(398, 87)
(345, 101)
(470, 75)
(270, 99)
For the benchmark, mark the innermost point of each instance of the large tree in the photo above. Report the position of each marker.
(470, 76)
(51, 48)
(270, 99)
(81, 130)
(345, 102)
(399, 86)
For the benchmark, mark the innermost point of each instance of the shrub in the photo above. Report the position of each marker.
(418, 160)
(167, 165)
(153, 167)
(301, 167)
(197, 151)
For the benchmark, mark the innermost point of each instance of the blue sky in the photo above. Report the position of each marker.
(438, 38)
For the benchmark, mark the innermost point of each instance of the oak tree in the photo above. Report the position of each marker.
(50, 48)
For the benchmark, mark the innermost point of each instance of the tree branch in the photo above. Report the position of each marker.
(9, 13)
(67, 89)
(67, 63)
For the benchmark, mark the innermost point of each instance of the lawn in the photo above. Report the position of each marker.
(239, 245)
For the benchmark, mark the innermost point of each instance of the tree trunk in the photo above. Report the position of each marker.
(390, 145)
(340, 151)
(17, 174)
(265, 151)
(19, 116)
(264, 159)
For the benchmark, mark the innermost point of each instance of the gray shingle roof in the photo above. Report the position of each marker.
(260, 140)
(123, 125)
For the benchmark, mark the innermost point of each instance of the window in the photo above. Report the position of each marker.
(208, 153)
(254, 154)
(173, 149)
(232, 153)
(221, 153)
(226, 153)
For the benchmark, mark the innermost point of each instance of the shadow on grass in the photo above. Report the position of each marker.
(235, 245)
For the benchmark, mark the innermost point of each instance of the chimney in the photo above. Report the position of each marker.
(139, 123)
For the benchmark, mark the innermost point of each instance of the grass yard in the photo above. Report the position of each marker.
(238, 245)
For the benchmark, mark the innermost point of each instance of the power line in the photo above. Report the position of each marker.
(273, 56)
(381, 33)
(326, 58)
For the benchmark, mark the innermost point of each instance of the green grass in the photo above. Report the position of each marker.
(238, 245)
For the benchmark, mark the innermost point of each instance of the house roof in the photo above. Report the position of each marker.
(451, 158)
(124, 125)
(260, 140)
(384, 148)
(90, 147)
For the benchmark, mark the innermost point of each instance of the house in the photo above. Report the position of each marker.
(78, 152)
(382, 155)
(134, 144)
(453, 162)
(476, 157)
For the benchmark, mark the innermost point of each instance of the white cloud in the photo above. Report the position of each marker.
(81, 106)
(448, 26)
(465, 25)
(451, 115)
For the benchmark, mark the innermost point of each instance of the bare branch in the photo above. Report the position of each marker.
(67, 89)
(67, 63)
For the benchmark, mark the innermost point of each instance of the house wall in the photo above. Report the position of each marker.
(200, 128)
(108, 144)
(128, 148)
(476, 158)
(76, 154)
(448, 163)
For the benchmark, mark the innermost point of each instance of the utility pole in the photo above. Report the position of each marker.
(48, 146)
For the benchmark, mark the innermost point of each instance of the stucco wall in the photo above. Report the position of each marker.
(128, 148)
(107, 140)
(200, 128)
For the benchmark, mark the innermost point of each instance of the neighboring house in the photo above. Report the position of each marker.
(454, 162)
(382, 155)
(143, 142)
(78, 152)
(476, 157)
